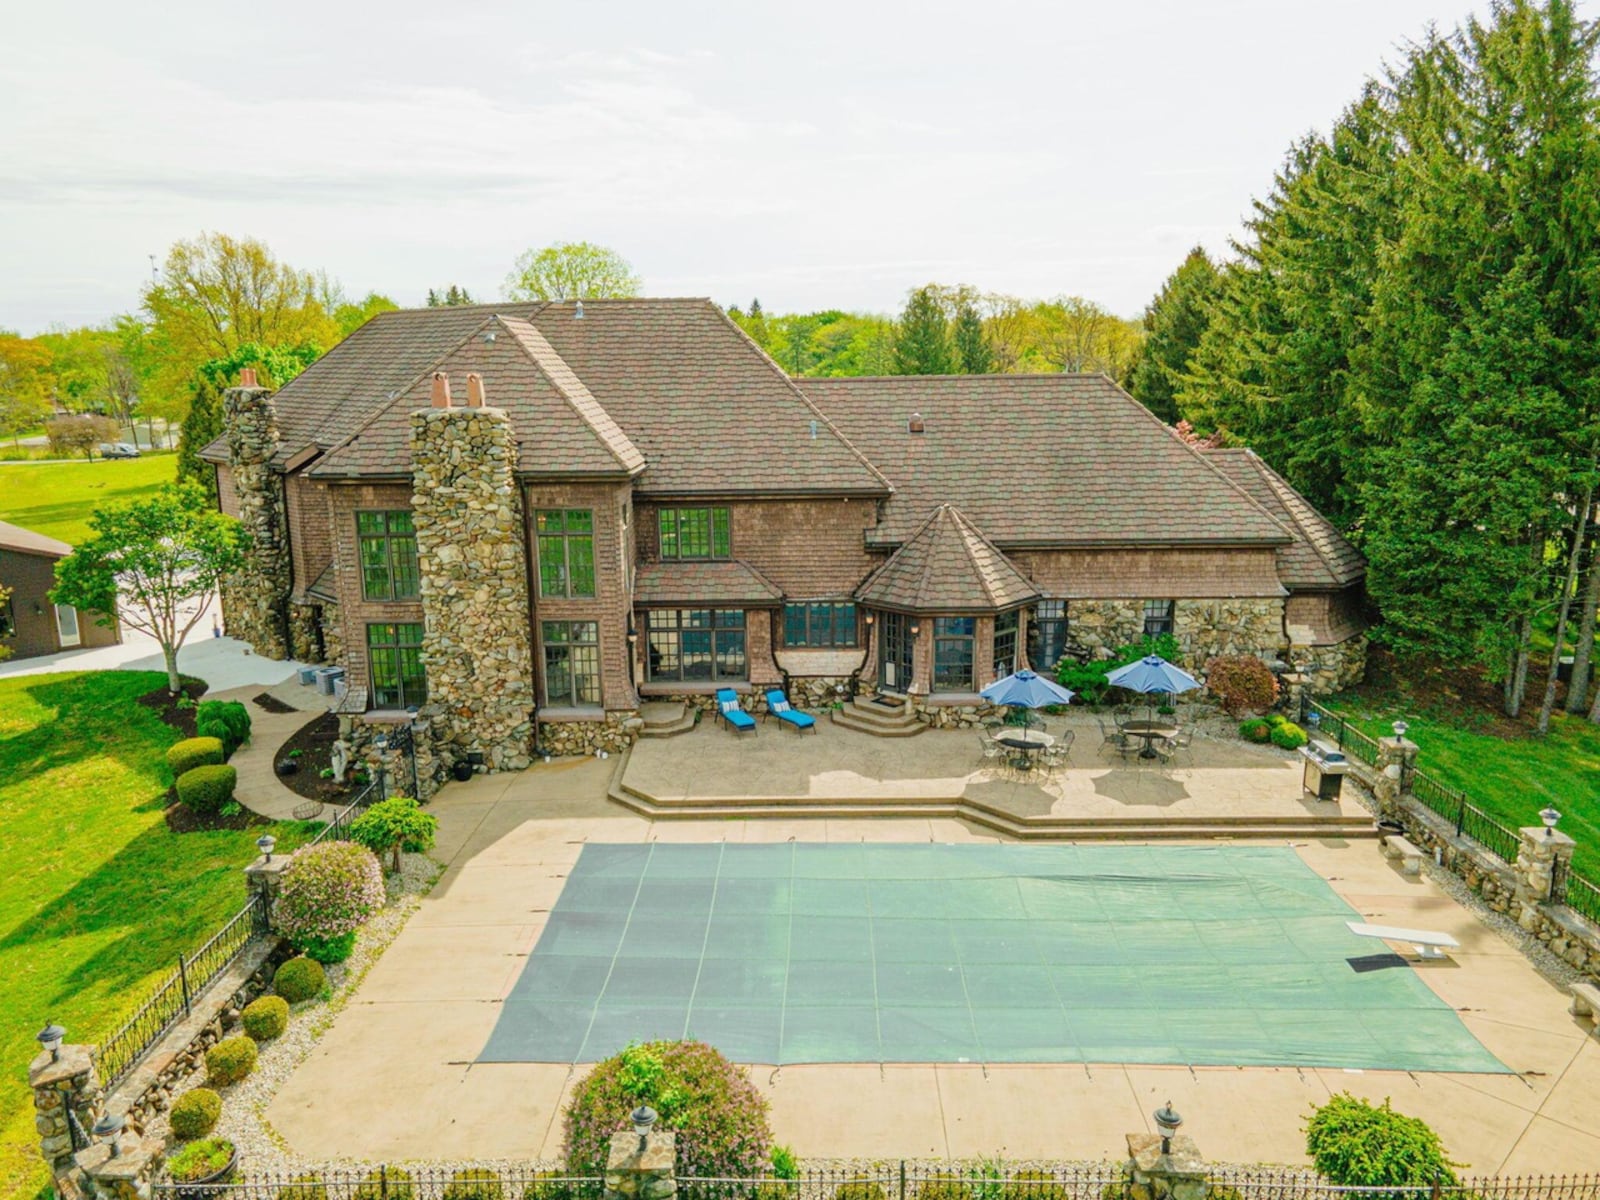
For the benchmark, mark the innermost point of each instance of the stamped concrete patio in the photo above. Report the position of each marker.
(395, 1077)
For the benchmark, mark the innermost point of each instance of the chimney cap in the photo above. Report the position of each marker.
(247, 377)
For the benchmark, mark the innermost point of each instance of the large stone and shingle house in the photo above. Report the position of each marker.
(570, 508)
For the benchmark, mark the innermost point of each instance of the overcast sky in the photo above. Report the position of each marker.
(814, 155)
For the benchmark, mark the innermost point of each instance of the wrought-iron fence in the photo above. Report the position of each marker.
(1277, 1183)
(1578, 894)
(173, 998)
(411, 1182)
(338, 828)
(1350, 739)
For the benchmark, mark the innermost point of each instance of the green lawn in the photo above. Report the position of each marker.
(57, 498)
(1509, 778)
(97, 896)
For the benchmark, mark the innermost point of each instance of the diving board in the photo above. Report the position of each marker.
(1429, 943)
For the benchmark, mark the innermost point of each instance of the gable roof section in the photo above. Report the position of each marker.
(1039, 460)
(947, 566)
(1320, 556)
(26, 541)
(710, 411)
(560, 429)
(364, 373)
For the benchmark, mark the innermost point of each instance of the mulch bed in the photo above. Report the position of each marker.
(267, 702)
(165, 705)
(315, 741)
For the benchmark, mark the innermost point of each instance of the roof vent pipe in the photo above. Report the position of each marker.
(577, 311)
(914, 424)
(813, 431)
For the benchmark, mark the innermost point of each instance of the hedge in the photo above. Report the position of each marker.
(207, 789)
(185, 756)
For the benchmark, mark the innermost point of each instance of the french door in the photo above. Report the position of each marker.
(894, 652)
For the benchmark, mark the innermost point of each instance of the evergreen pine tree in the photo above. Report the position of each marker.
(923, 344)
(972, 353)
(1173, 325)
(201, 426)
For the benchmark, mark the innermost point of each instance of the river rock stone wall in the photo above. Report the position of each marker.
(1095, 628)
(1206, 628)
(255, 599)
(616, 733)
(1330, 669)
(470, 551)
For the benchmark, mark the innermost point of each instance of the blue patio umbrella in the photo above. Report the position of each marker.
(1152, 674)
(1024, 689)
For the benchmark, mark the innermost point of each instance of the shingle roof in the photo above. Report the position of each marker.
(1319, 556)
(704, 583)
(559, 427)
(1046, 460)
(26, 541)
(947, 566)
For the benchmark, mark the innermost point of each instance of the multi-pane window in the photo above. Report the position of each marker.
(1047, 635)
(695, 533)
(388, 548)
(1158, 617)
(566, 551)
(571, 663)
(952, 653)
(394, 658)
(822, 623)
(699, 645)
(1005, 644)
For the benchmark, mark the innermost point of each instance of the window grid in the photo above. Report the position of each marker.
(571, 663)
(566, 552)
(1005, 644)
(695, 533)
(952, 653)
(1047, 634)
(824, 623)
(387, 546)
(696, 645)
(1158, 617)
(394, 658)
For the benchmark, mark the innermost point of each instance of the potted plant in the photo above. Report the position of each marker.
(204, 1161)
(290, 763)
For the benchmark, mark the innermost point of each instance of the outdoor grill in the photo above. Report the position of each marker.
(1325, 769)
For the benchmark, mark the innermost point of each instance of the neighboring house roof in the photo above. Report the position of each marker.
(26, 541)
(1319, 556)
(947, 566)
(1045, 460)
(559, 427)
(704, 583)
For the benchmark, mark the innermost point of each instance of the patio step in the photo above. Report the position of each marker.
(664, 718)
(865, 716)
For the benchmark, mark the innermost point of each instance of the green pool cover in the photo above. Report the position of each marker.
(804, 953)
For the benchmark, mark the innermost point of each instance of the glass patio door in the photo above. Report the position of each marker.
(67, 625)
(894, 653)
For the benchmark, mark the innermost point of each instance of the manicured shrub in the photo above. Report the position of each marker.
(265, 1017)
(718, 1115)
(207, 789)
(1353, 1144)
(231, 713)
(1255, 730)
(303, 1187)
(945, 1189)
(1032, 1185)
(199, 1159)
(328, 892)
(1241, 683)
(1289, 736)
(230, 1060)
(300, 979)
(860, 1189)
(190, 753)
(393, 825)
(552, 1185)
(392, 1183)
(474, 1184)
(194, 1114)
(1275, 719)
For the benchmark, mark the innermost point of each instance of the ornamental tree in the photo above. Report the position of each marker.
(329, 890)
(393, 825)
(571, 271)
(155, 564)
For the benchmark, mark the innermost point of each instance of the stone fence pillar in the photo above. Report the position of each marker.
(125, 1175)
(1538, 853)
(1179, 1174)
(1397, 758)
(65, 1086)
(642, 1167)
(264, 877)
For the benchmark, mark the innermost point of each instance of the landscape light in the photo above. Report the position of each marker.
(643, 1118)
(106, 1129)
(50, 1038)
(1549, 816)
(265, 843)
(1400, 728)
(1167, 1121)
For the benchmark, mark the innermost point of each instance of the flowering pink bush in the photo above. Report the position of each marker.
(329, 890)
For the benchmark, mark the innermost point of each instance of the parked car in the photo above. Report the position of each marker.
(118, 450)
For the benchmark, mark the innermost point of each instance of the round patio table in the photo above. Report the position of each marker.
(1151, 732)
(1027, 742)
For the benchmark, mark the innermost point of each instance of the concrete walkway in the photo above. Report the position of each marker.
(259, 788)
(395, 1076)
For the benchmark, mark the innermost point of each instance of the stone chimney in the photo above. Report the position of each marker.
(472, 552)
(255, 601)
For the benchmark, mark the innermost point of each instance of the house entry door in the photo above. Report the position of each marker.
(67, 625)
(894, 653)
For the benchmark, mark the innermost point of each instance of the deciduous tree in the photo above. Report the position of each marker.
(79, 434)
(571, 271)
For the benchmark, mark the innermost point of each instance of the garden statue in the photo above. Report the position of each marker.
(341, 759)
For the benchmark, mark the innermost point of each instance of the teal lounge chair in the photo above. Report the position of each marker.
(778, 706)
(728, 709)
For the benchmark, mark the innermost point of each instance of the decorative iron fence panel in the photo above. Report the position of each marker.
(1350, 739)
(410, 1182)
(338, 829)
(1580, 895)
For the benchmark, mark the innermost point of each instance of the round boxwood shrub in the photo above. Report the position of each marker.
(718, 1115)
(1033, 1185)
(207, 789)
(265, 1017)
(194, 1114)
(1354, 1144)
(230, 1060)
(1289, 736)
(193, 752)
(1255, 730)
(475, 1183)
(945, 1189)
(200, 1159)
(388, 1183)
(328, 892)
(303, 1187)
(299, 980)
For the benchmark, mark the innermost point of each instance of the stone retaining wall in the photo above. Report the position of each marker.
(953, 716)
(1206, 628)
(1331, 669)
(619, 730)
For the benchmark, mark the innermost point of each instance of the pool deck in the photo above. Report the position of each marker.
(395, 1077)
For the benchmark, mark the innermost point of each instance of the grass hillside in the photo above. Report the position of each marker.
(56, 498)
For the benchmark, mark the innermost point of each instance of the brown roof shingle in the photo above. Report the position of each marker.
(947, 566)
(1045, 460)
(704, 583)
(1319, 556)
(26, 541)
